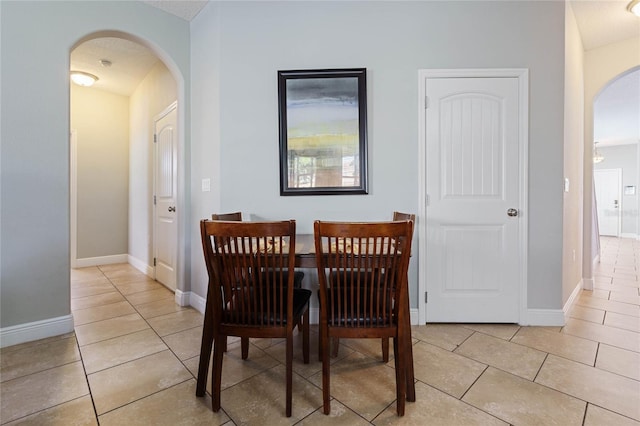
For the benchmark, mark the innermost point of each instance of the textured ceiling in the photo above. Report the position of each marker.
(130, 63)
(602, 22)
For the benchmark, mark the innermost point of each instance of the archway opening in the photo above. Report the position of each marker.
(113, 151)
(616, 169)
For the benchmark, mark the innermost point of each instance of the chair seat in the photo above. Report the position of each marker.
(270, 313)
(368, 311)
(367, 307)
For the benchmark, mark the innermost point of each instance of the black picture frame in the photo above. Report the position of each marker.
(323, 131)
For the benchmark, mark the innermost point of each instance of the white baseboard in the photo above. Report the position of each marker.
(543, 317)
(36, 330)
(415, 316)
(182, 298)
(197, 302)
(587, 284)
(101, 260)
(140, 265)
(629, 235)
(572, 297)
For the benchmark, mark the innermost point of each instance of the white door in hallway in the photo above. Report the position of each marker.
(474, 183)
(608, 184)
(165, 197)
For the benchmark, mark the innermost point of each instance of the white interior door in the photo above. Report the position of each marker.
(473, 199)
(165, 184)
(608, 185)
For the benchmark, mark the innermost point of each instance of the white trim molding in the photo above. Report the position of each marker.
(101, 260)
(572, 298)
(73, 198)
(543, 317)
(36, 330)
(587, 284)
(197, 302)
(183, 298)
(140, 266)
(629, 235)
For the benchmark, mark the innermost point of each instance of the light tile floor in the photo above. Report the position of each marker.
(134, 355)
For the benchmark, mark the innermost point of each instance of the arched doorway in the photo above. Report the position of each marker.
(115, 157)
(616, 135)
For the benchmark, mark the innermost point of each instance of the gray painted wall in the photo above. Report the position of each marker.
(239, 47)
(35, 40)
(236, 49)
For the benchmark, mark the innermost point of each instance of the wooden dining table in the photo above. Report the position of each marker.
(305, 253)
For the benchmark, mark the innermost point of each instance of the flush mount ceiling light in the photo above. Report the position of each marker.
(82, 78)
(634, 7)
(597, 157)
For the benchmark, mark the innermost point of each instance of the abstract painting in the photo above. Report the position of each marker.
(323, 131)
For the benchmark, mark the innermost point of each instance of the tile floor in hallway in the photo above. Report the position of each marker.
(134, 355)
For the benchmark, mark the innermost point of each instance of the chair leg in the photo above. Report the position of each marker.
(289, 368)
(411, 383)
(244, 344)
(216, 372)
(305, 336)
(335, 345)
(410, 379)
(385, 349)
(205, 348)
(325, 343)
(401, 375)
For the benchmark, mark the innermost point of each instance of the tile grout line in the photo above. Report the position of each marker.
(156, 333)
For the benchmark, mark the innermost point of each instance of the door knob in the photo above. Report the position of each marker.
(172, 209)
(512, 212)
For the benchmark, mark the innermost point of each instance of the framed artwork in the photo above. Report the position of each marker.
(323, 131)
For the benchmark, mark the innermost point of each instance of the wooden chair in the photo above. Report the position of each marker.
(298, 276)
(246, 262)
(362, 273)
(397, 216)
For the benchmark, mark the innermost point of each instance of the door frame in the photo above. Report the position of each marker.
(173, 105)
(522, 74)
(73, 198)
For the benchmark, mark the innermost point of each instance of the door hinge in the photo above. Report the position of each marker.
(154, 200)
(154, 261)
(155, 138)
(427, 200)
(426, 297)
